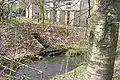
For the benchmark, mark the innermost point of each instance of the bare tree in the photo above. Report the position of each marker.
(3, 9)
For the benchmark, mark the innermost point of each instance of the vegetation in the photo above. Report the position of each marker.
(4, 79)
(30, 21)
(74, 74)
(38, 29)
(116, 79)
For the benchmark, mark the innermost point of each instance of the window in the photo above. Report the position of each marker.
(68, 3)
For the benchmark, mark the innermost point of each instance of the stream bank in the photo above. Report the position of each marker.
(28, 43)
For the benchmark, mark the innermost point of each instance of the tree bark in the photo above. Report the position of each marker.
(103, 42)
(54, 11)
(1, 10)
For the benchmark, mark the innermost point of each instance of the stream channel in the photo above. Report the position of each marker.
(51, 66)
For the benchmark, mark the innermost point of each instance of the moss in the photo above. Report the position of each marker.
(118, 45)
(70, 75)
(4, 78)
(46, 22)
(31, 20)
(29, 59)
(17, 20)
(117, 78)
(60, 47)
(73, 49)
(78, 50)
(37, 44)
(76, 73)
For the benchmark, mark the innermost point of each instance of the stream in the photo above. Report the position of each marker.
(51, 66)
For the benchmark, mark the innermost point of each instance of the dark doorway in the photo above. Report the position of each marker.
(68, 17)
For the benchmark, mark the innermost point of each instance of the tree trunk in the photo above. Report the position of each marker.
(43, 15)
(104, 35)
(1, 10)
(54, 11)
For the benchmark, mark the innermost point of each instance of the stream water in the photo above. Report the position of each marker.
(51, 66)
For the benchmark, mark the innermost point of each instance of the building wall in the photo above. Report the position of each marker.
(32, 9)
(77, 18)
(35, 10)
(78, 11)
(62, 17)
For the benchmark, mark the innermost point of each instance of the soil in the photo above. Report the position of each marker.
(17, 39)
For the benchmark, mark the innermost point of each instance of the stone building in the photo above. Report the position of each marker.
(71, 12)
(32, 8)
